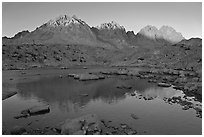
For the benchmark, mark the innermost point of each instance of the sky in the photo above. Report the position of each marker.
(183, 17)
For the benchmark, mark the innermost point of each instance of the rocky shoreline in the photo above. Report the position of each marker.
(85, 125)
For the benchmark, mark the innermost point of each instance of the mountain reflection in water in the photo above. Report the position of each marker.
(67, 92)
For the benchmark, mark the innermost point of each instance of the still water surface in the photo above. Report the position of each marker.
(104, 99)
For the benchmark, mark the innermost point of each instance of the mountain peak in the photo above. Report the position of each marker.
(166, 33)
(149, 31)
(171, 34)
(110, 25)
(64, 20)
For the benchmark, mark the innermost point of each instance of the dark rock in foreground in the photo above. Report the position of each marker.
(36, 110)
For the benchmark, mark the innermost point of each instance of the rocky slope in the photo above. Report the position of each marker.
(186, 55)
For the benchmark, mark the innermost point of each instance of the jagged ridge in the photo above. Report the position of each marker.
(72, 30)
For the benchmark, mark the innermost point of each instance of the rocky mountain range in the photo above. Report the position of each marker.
(72, 30)
(68, 40)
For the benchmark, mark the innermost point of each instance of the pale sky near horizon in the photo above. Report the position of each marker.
(183, 17)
